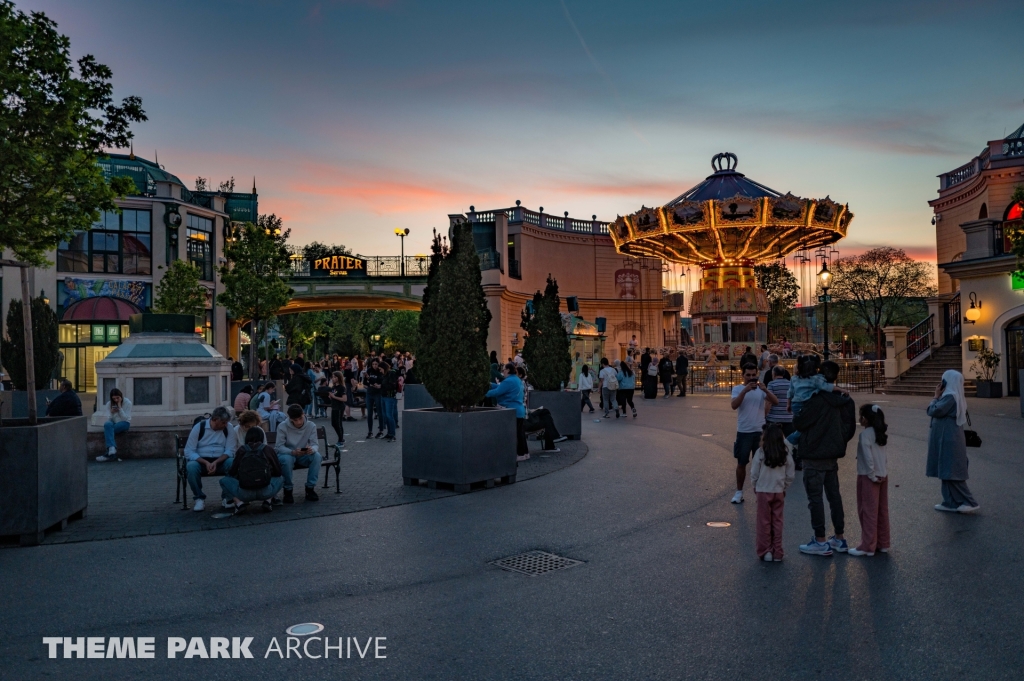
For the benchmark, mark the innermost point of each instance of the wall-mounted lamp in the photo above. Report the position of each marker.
(936, 218)
(973, 313)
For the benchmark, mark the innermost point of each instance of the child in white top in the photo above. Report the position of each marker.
(772, 472)
(872, 483)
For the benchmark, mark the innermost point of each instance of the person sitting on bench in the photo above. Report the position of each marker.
(297, 446)
(540, 419)
(65, 404)
(255, 473)
(208, 450)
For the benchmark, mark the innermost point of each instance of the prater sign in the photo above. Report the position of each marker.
(337, 266)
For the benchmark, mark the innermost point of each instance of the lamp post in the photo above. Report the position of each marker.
(402, 233)
(824, 276)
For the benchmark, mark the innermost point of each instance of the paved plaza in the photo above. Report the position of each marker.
(658, 595)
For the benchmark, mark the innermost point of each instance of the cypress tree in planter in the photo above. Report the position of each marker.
(457, 443)
(547, 355)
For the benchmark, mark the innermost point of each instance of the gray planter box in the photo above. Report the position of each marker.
(19, 402)
(415, 396)
(988, 389)
(564, 406)
(458, 448)
(43, 477)
(1020, 387)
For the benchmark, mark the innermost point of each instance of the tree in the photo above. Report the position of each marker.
(315, 250)
(453, 324)
(881, 287)
(402, 331)
(55, 124)
(201, 184)
(546, 350)
(253, 288)
(782, 291)
(46, 350)
(180, 292)
(228, 185)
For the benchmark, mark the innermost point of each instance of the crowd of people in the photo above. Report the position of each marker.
(804, 422)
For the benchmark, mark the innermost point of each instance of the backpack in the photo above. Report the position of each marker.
(254, 401)
(201, 420)
(254, 470)
(612, 382)
(652, 369)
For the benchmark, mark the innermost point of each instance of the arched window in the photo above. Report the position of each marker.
(983, 213)
(1014, 212)
(1014, 217)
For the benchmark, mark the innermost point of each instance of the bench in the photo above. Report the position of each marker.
(327, 463)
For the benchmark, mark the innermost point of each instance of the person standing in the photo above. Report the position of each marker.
(609, 382)
(872, 483)
(236, 369)
(585, 383)
(771, 474)
(665, 370)
(263, 369)
(389, 399)
(338, 399)
(779, 413)
(748, 401)
(627, 386)
(119, 419)
(495, 367)
(762, 360)
(374, 376)
(827, 421)
(947, 446)
(682, 369)
(770, 363)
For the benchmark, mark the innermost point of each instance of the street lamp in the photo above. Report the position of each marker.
(401, 234)
(824, 276)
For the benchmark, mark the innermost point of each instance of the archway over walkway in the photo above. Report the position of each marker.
(372, 293)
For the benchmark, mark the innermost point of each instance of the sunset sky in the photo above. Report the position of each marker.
(357, 117)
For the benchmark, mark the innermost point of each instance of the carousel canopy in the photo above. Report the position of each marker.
(730, 219)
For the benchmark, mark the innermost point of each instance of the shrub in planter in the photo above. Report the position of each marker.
(547, 354)
(458, 443)
(984, 367)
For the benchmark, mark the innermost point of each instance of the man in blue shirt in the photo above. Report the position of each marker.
(509, 394)
(209, 451)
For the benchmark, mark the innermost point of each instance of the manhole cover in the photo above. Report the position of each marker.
(221, 516)
(535, 563)
(719, 524)
(707, 434)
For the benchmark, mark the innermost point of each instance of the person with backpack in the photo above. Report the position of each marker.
(665, 370)
(207, 452)
(255, 474)
(826, 422)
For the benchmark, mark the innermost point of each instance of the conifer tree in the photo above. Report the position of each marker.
(44, 343)
(546, 351)
(452, 360)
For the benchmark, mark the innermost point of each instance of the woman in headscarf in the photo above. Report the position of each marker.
(947, 449)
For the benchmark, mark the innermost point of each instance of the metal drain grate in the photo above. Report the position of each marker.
(535, 563)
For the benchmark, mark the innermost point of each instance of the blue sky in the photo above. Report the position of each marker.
(357, 117)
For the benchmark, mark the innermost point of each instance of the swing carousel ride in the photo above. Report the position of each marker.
(725, 225)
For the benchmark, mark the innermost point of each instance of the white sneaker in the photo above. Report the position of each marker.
(112, 451)
(884, 550)
(738, 497)
(227, 503)
(767, 557)
(524, 457)
(964, 508)
(947, 509)
(561, 439)
(104, 459)
(858, 552)
(200, 505)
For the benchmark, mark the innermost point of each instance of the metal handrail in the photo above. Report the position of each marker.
(918, 338)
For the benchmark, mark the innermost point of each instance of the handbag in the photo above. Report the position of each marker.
(971, 436)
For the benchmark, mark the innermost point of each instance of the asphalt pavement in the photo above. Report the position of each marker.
(659, 594)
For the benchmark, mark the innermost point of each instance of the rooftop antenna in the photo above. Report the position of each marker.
(253, 184)
(156, 158)
(131, 150)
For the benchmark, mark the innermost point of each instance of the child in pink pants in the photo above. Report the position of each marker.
(772, 472)
(872, 483)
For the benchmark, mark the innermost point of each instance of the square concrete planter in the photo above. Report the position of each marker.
(43, 477)
(564, 406)
(989, 389)
(458, 448)
(415, 396)
(1020, 388)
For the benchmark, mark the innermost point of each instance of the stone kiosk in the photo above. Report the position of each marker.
(170, 375)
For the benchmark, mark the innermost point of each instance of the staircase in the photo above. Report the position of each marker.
(922, 379)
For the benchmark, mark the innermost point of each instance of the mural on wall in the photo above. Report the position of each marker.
(75, 290)
(627, 284)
